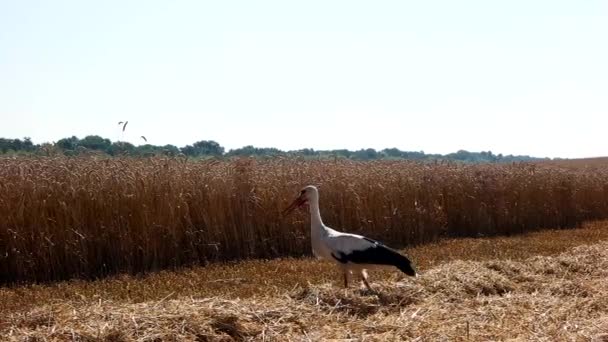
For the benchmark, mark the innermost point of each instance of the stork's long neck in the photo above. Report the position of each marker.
(317, 228)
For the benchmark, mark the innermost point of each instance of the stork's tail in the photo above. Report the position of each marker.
(379, 254)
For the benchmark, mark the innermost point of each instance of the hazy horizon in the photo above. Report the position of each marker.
(521, 78)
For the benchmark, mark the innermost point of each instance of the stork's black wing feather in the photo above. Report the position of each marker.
(377, 254)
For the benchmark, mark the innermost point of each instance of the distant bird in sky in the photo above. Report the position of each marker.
(352, 253)
(124, 124)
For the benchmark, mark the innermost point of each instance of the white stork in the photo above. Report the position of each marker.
(352, 253)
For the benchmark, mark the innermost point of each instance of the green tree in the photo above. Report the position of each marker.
(121, 148)
(366, 154)
(254, 151)
(170, 150)
(203, 148)
(95, 142)
(392, 152)
(68, 143)
(17, 145)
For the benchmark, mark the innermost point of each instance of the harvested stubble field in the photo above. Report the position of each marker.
(544, 286)
(90, 217)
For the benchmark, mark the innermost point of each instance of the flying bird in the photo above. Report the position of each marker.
(146, 140)
(124, 126)
(352, 253)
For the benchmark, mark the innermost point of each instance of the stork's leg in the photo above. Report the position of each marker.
(345, 272)
(345, 279)
(364, 278)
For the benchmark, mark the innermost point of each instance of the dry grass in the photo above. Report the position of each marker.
(580, 163)
(62, 218)
(501, 295)
(268, 278)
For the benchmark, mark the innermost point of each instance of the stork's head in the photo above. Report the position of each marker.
(307, 195)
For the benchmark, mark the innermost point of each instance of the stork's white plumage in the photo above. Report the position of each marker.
(352, 253)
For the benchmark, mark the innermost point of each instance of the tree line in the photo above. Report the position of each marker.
(94, 144)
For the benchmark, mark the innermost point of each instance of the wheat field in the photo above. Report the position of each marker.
(90, 217)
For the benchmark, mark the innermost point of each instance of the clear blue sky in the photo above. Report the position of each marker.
(520, 77)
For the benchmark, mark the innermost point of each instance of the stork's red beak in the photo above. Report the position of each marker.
(297, 203)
